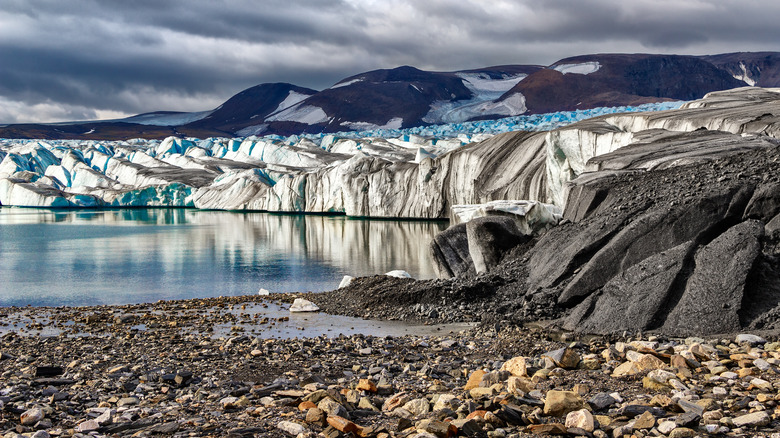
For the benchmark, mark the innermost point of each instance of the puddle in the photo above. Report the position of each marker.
(264, 320)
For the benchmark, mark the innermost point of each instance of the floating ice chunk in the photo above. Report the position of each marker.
(584, 68)
(301, 305)
(398, 273)
(346, 281)
(264, 292)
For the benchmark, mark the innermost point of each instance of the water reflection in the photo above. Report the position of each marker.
(85, 257)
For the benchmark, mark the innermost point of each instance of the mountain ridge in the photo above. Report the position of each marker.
(406, 96)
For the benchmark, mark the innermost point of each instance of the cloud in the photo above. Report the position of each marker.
(82, 58)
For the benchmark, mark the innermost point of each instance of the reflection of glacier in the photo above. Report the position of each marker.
(86, 257)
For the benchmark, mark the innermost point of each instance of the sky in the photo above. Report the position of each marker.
(99, 59)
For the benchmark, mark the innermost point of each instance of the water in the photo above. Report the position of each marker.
(88, 257)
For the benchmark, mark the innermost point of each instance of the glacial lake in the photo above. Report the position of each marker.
(125, 256)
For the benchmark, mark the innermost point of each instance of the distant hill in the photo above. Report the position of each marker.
(405, 97)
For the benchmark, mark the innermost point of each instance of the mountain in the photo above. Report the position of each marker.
(406, 97)
(615, 80)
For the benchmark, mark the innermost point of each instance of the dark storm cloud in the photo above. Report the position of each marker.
(86, 59)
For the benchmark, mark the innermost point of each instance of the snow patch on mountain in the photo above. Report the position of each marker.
(308, 114)
(584, 68)
(481, 83)
(394, 123)
(745, 77)
(291, 99)
(346, 83)
(252, 130)
(167, 119)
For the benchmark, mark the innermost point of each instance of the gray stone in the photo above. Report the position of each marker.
(749, 338)
(601, 400)
(291, 428)
(765, 203)
(760, 418)
(713, 296)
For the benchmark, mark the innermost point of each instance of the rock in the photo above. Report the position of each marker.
(765, 203)
(581, 419)
(760, 418)
(715, 291)
(467, 426)
(474, 379)
(316, 416)
(342, 424)
(518, 385)
(666, 427)
(291, 427)
(565, 358)
(682, 432)
(692, 407)
(302, 305)
(560, 403)
(396, 400)
(418, 407)
(366, 385)
(516, 366)
(87, 426)
(438, 428)
(444, 401)
(489, 238)
(601, 401)
(548, 429)
(645, 421)
(749, 339)
(331, 407)
(31, 416)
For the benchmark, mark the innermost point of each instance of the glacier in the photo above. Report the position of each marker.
(416, 172)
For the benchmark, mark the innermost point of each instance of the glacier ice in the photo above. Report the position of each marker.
(386, 172)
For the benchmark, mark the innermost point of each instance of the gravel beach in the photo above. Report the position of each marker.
(163, 369)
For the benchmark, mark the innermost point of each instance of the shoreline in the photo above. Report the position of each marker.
(168, 380)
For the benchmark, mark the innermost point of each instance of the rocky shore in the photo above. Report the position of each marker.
(163, 371)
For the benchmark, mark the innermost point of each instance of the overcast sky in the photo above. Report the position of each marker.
(80, 59)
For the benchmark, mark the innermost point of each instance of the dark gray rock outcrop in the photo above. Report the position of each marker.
(450, 252)
(715, 291)
(490, 238)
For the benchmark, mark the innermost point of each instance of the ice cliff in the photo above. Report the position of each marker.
(416, 173)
